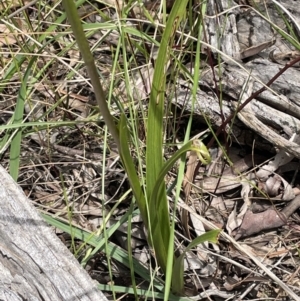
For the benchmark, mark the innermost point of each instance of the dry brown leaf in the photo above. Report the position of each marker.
(187, 184)
(277, 187)
(46, 196)
(256, 49)
(264, 221)
(6, 36)
(140, 83)
(281, 158)
(235, 219)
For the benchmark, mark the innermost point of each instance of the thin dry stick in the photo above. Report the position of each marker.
(21, 9)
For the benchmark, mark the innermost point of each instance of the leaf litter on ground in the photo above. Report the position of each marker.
(68, 184)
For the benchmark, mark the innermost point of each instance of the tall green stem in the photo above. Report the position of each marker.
(88, 59)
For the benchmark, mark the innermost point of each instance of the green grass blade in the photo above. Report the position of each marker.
(159, 220)
(106, 234)
(43, 125)
(129, 250)
(143, 293)
(155, 129)
(15, 148)
(11, 70)
(166, 167)
(130, 169)
(157, 206)
(88, 58)
(114, 251)
(177, 276)
(180, 176)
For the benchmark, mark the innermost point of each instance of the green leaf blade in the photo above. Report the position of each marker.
(178, 268)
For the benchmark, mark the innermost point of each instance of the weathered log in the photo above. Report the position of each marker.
(34, 263)
(247, 33)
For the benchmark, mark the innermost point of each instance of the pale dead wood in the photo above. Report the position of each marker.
(248, 30)
(34, 263)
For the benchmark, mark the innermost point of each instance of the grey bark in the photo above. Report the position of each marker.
(244, 32)
(34, 263)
